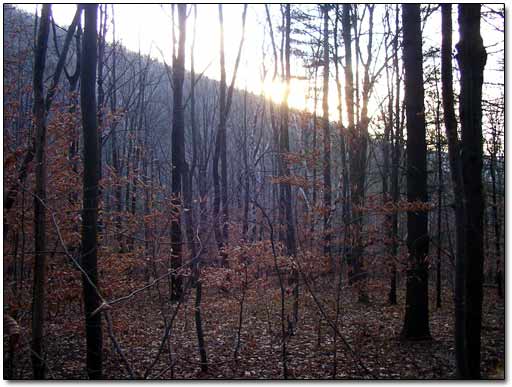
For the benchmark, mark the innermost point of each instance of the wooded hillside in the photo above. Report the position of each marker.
(164, 222)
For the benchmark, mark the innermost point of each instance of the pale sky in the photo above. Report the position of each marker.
(148, 27)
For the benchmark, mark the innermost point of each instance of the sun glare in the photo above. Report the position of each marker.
(297, 97)
(274, 90)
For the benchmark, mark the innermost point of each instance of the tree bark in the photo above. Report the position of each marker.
(395, 161)
(178, 155)
(392, 143)
(495, 214)
(101, 97)
(199, 328)
(472, 57)
(357, 141)
(220, 142)
(90, 194)
(450, 123)
(39, 112)
(285, 192)
(115, 151)
(343, 135)
(439, 204)
(220, 181)
(327, 140)
(246, 174)
(416, 323)
(349, 96)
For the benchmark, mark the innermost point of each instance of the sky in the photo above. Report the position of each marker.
(147, 27)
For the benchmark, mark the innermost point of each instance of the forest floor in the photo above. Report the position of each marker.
(371, 331)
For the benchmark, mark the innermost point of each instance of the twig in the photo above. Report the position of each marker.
(356, 358)
(108, 319)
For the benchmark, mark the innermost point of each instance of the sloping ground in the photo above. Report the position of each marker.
(372, 332)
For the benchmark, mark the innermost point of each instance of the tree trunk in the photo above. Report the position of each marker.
(392, 143)
(90, 194)
(178, 155)
(416, 324)
(189, 175)
(343, 147)
(327, 141)
(246, 174)
(439, 206)
(220, 147)
(284, 147)
(495, 214)
(115, 151)
(199, 328)
(397, 151)
(396, 158)
(220, 181)
(101, 91)
(357, 153)
(472, 57)
(349, 96)
(450, 123)
(39, 112)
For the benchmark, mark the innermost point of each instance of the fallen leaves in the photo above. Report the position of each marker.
(372, 331)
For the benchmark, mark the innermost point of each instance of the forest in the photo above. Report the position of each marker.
(254, 191)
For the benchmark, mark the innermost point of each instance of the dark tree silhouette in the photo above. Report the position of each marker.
(416, 324)
(450, 123)
(40, 195)
(327, 138)
(220, 181)
(89, 259)
(178, 154)
(472, 57)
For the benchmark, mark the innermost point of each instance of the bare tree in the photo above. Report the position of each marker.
(472, 57)
(220, 152)
(357, 143)
(178, 154)
(450, 123)
(327, 139)
(40, 194)
(416, 323)
(494, 147)
(89, 257)
(285, 192)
